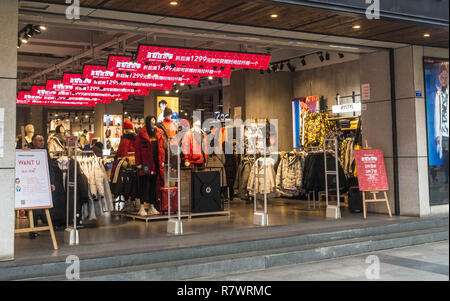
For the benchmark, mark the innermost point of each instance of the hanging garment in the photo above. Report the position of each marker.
(314, 173)
(242, 176)
(56, 143)
(316, 128)
(194, 146)
(289, 175)
(256, 177)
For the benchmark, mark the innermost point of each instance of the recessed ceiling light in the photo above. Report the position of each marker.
(173, 3)
(210, 77)
(273, 16)
(356, 26)
(427, 35)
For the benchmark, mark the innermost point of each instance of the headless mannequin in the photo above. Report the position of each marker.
(149, 185)
(29, 132)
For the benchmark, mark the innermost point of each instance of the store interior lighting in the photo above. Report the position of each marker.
(321, 58)
(29, 31)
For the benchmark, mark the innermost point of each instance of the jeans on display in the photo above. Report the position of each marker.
(149, 189)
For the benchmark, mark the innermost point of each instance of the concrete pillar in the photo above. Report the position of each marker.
(8, 79)
(377, 115)
(411, 130)
(150, 103)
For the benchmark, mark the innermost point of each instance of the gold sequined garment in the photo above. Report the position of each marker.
(316, 128)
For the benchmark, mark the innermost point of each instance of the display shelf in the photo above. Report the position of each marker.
(160, 217)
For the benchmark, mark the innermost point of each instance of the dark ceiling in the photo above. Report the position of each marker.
(290, 17)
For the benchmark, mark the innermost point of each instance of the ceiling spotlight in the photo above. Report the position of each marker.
(167, 92)
(327, 56)
(182, 84)
(321, 58)
(426, 35)
(341, 55)
(210, 77)
(290, 67)
(356, 26)
(42, 27)
(173, 3)
(176, 91)
(303, 61)
(274, 16)
(126, 113)
(24, 40)
(87, 116)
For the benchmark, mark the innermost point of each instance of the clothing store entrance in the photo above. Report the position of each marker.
(267, 131)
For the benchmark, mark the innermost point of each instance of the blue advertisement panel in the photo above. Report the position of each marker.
(300, 108)
(437, 104)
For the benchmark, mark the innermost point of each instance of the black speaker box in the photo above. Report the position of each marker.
(206, 192)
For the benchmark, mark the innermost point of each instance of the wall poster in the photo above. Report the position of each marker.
(112, 131)
(163, 102)
(437, 103)
(300, 107)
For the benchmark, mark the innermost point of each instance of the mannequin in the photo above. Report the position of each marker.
(29, 132)
(195, 146)
(150, 155)
(167, 125)
(57, 142)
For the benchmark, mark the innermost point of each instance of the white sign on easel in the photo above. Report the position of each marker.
(32, 189)
(32, 181)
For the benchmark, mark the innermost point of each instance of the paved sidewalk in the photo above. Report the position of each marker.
(417, 263)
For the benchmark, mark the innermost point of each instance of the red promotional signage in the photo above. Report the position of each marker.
(371, 170)
(155, 67)
(195, 57)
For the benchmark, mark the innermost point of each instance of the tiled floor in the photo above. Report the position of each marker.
(120, 235)
(417, 263)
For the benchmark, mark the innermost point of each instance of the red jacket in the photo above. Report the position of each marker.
(126, 145)
(192, 149)
(143, 151)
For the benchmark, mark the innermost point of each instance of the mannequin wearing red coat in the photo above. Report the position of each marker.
(128, 139)
(150, 154)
